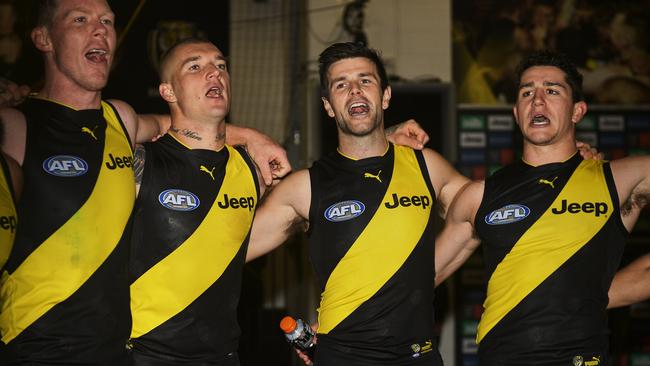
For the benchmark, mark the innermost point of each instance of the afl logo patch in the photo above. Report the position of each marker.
(343, 211)
(507, 215)
(65, 166)
(179, 200)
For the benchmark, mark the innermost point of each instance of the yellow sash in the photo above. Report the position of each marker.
(546, 245)
(382, 247)
(181, 277)
(64, 261)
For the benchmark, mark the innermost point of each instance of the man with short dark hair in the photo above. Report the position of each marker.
(369, 209)
(553, 227)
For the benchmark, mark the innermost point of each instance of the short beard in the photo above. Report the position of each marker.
(347, 131)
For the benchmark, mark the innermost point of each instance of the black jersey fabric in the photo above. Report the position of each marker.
(8, 217)
(552, 239)
(192, 224)
(371, 243)
(65, 294)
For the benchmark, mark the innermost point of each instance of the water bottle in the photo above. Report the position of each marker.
(300, 335)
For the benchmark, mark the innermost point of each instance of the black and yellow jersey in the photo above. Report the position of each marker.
(8, 217)
(371, 243)
(192, 223)
(552, 240)
(64, 292)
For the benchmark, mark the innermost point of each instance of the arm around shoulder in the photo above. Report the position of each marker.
(269, 156)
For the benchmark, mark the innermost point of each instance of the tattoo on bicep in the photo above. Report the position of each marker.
(138, 163)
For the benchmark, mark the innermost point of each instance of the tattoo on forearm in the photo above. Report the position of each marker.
(138, 163)
(187, 133)
(390, 130)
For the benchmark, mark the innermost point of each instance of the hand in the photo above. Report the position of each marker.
(408, 133)
(11, 94)
(303, 356)
(587, 152)
(269, 156)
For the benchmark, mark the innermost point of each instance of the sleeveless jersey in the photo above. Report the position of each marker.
(192, 224)
(8, 219)
(552, 239)
(371, 242)
(65, 288)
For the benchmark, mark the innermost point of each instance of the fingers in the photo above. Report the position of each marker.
(267, 176)
(280, 165)
(11, 94)
(304, 358)
(407, 140)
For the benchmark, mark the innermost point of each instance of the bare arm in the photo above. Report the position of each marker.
(269, 156)
(16, 176)
(631, 284)
(285, 207)
(457, 241)
(632, 178)
(445, 179)
(14, 129)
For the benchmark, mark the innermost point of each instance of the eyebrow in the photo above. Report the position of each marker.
(546, 83)
(361, 74)
(85, 11)
(196, 58)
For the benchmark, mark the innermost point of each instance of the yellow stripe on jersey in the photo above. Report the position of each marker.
(549, 243)
(64, 261)
(7, 214)
(378, 253)
(181, 277)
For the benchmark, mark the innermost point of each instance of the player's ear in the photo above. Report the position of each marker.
(328, 107)
(41, 39)
(167, 92)
(385, 100)
(579, 111)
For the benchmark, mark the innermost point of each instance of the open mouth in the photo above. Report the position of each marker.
(540, 120)
(214, 92)
(97, 55)
(358, 108)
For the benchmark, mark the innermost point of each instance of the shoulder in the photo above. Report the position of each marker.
(441, 171)
(127, 115)
(16, 175)
(631, 174)
(14, 133)
(468, 200)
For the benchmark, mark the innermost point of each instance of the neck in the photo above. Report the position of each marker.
(209, 136)
(355, 147)
(68, 93)
(539, 155)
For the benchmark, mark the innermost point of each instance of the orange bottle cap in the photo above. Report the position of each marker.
(288, 324)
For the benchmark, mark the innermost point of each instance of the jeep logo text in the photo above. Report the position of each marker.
(406, 201)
